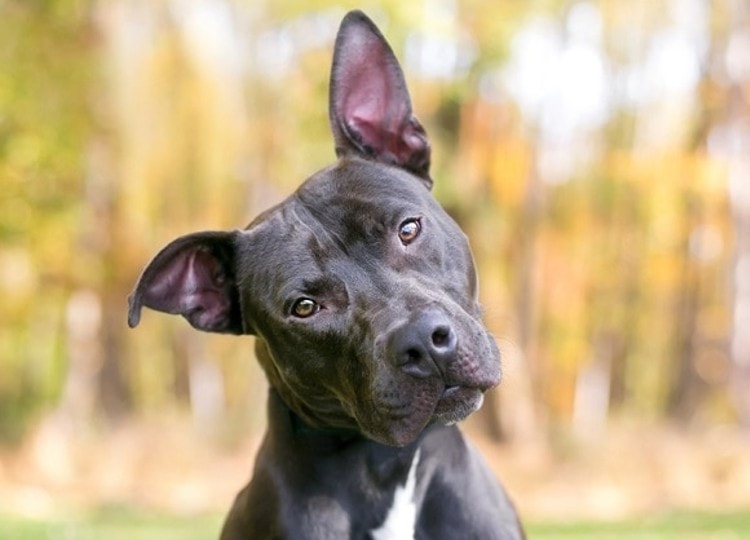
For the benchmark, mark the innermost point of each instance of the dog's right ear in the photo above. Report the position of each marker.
(370, 108)
(194, 277)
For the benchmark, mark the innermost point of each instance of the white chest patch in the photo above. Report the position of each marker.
(402, 517)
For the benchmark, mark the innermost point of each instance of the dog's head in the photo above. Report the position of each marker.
(360, 288)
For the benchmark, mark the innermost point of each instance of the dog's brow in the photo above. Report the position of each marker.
(320, 284)
(306, 216)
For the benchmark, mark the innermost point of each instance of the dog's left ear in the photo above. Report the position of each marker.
(370, 108)
(192, 276)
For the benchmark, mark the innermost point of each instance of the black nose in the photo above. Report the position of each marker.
(425, 345)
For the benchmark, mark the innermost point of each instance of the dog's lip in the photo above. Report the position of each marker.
(457, 402)
(454, 392)
(451, 389)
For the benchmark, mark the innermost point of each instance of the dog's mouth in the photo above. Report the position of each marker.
(457, 402)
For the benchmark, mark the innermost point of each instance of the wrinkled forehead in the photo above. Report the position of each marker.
(355, 185)
(353, 201)
(342, 211)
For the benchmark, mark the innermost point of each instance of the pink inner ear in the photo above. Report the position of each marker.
(374, 103)
(192, 284)
(207, 291)
(374, 114)
(370, 106)
(385, 127)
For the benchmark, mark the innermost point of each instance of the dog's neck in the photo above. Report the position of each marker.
(285, 423)
(332, 460)
(281, 416)
(289, 433)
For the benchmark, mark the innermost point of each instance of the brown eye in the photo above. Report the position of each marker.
(304, 307)
(409, 230)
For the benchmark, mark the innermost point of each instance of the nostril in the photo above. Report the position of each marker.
(415, 361)
(441, 337)
(412, 356)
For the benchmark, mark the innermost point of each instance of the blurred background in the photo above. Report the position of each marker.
(597, 152)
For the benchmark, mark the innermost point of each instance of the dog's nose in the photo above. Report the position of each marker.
(424, 346)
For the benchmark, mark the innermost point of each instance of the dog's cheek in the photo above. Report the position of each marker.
(301, 369)
(460, 284)
(398, 409)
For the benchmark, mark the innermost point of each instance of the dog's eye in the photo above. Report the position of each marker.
(409, 230)
(305, 307)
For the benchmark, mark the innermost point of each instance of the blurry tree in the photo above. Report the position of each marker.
(45, 126)
(595, 151)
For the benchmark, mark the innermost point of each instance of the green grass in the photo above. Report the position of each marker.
(126, 524)
(681, 525)
(112, 524)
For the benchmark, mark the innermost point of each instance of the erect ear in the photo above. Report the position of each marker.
(370, 109)
(194, 277)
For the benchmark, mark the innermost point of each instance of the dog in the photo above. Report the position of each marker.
(362, 294)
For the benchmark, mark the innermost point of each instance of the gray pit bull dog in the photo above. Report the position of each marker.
(362, 295)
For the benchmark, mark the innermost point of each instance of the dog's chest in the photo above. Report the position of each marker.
(401, 519)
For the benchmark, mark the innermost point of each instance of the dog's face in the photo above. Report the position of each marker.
(360, 288)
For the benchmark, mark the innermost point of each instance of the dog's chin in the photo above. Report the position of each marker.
(454, 404)
(398, 433)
